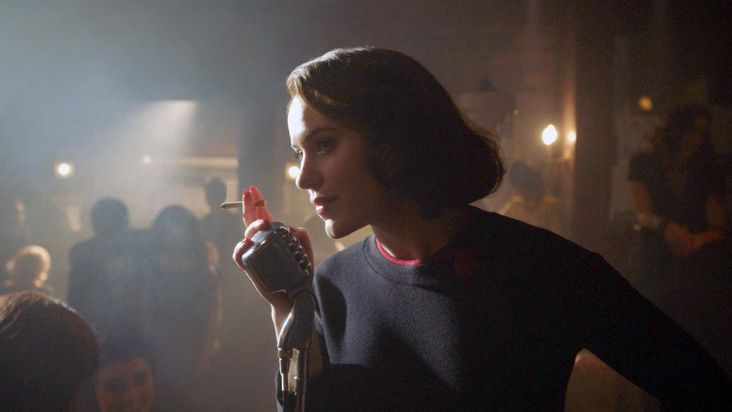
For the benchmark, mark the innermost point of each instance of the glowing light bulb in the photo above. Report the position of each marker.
(64, 170)
(645, 103)
(549, 135)
(292, 171)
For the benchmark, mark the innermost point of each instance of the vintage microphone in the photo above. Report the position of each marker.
(277, 262)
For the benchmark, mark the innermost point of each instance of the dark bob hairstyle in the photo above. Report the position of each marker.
(422, 146)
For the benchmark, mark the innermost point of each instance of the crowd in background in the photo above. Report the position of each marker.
(152, 297)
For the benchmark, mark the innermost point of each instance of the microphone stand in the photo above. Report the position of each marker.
(277, 262)
(295, 339)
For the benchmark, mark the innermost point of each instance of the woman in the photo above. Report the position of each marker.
(447, 307)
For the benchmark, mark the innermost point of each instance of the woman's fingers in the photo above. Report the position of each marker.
(255, 206)
(256, 226)
(239, 251)
(247, 243)
(257, 217)
(248, 210)
(261, 224)
(261, 209)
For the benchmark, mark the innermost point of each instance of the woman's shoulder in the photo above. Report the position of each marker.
(493, 223)
(513, 240)
(528, 256)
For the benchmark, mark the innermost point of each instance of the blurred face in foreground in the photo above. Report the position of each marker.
(334, 170)
(125, 386)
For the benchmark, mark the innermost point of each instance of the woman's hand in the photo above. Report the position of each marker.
(257, 216)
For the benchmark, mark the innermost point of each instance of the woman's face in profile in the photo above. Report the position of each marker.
(125, 386)
(334, 170)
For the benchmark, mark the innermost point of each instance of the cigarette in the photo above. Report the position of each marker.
(239, 205)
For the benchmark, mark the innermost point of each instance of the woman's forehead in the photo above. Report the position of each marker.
(303, 120)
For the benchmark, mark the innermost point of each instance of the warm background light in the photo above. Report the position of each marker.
(645, 103)
(549, 135)
(292, 171)
(64, 170)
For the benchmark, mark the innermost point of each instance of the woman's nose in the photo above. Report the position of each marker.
(309, 177)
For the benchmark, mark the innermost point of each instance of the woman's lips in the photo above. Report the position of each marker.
(322, 205)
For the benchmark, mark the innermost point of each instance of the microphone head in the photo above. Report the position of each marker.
(277, 262)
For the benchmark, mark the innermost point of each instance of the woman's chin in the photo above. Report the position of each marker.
(337, 230)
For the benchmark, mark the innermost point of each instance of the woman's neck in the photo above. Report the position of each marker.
(408, 235)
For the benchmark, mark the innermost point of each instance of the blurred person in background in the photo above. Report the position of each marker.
(12, 234)
(220, 226)
(678, 191)
(28, 270)
(684, 260)
(180, 306)
(47, 352)
(90, 259)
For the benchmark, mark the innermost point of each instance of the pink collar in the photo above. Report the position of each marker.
(394, 259)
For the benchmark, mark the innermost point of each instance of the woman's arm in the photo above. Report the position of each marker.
(643, 344)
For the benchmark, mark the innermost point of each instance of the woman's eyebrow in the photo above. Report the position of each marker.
(316, 131)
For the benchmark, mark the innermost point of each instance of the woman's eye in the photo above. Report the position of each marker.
(298, 154)
(323, 145)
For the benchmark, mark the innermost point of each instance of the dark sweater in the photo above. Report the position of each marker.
(492, 322)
